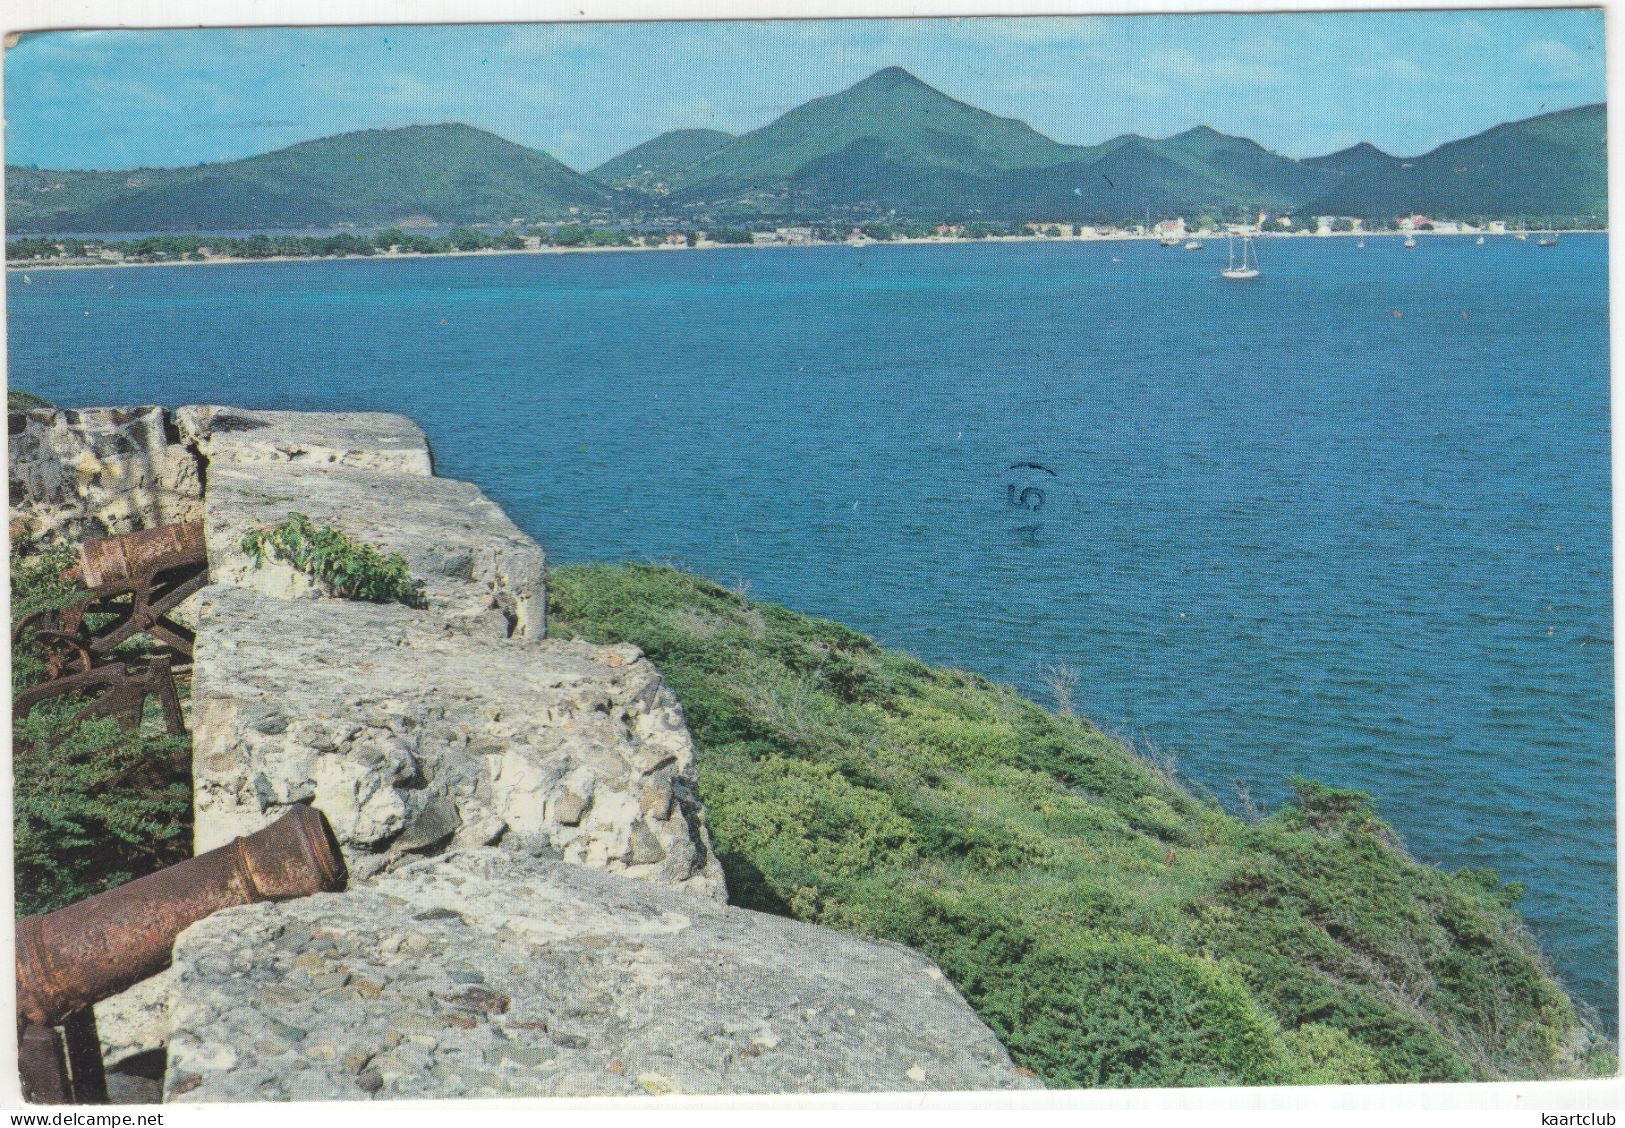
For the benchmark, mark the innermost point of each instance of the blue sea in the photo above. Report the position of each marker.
(1349, 521)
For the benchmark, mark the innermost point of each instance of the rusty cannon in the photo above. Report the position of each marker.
(69, 959)
(127, 585)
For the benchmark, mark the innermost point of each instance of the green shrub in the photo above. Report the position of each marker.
(348, 569)
(805, 824)
(24, 401)
(36, 585)
(93, 807)
(1111, 928)
(1325, 1055)
(36, 577)
(1089, 1009)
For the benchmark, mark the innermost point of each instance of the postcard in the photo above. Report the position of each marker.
(807, 556)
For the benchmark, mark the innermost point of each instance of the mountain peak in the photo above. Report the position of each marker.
(1206, 138)
(892, 78)
(893, 73)
(1363, 149)
(663, 156)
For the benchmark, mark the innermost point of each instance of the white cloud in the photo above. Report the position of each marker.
(1390, 67)
(1136, 85)
(1561, 62)
(1180, 64)
(1404, 68)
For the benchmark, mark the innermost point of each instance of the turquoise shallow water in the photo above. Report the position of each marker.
(1349, 521)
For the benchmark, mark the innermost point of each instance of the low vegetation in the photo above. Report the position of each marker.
(346, 568)
(93, 806)
(1113, 928)
(24, 401)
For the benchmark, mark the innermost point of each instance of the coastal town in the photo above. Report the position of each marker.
(596, 235)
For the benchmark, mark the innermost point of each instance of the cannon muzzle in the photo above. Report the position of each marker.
(79, 955)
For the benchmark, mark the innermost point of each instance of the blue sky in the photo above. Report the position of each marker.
(1300, 84)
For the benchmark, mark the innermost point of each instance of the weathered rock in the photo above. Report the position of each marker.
(363, 439)
(479, 571)
(589, 985)
(97, 472)
(409, 736)
(136, 1020)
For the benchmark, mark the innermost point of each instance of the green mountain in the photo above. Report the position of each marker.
(1362, 160)
(1254, 175)
(446, 173)
(1112, 925)
(1553, 166)
(889, 144)
(1198, 173)
(893, 143)
(648, 166)
(890, 140)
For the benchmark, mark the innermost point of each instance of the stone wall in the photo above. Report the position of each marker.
(417, 729)
(411, 737)
(477, 974)
(98, 472)
(360, 440)
(480, 574)
(495, 794)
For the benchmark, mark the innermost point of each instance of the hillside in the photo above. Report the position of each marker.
(448, 173)
(1112, 927)
(890, 138)
(1361, 160)
(1551, 167)
(648, 166)
(888, 144)
(892, 143)
(1246, 169)
(1135, 177)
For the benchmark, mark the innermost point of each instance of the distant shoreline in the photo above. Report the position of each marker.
(937, 241)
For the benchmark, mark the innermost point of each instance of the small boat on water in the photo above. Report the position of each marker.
(1193, 244)
(1410, 242)
(1480, 241)
(1243, 272)
(1547, 240)
(1170, 240)
(1360, 245)
(1521, 236)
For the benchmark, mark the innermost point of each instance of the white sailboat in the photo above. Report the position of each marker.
(1480, 242)
(1547, 240)
(1193, 244)
(1410, 242)
(1242, 272)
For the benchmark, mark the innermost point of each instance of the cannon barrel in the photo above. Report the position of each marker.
(84, 953)
(121, 559)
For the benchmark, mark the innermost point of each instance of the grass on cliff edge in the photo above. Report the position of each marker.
(1111, 928)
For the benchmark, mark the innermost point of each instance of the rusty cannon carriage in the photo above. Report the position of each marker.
(126, 586)
(77, 956)
(67, 960)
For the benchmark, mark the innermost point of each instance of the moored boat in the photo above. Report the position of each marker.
(1243, 272)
